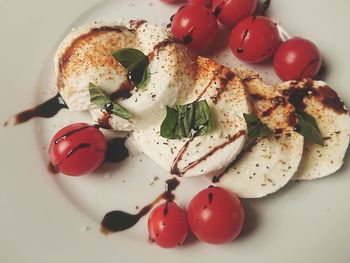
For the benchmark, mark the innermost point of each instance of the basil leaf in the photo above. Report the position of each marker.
(99, 98)
(308, 127)
(185, 120)
(203, 117)
(136, 63)
(145, 77)
(256, 129)
(169, 125)
(129, 57)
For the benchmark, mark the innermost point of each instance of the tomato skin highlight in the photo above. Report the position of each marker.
(77, 149)
(195, 26)
(215, 215)
(230, 12)
(167, 225)
(297, 58)
(254, 39)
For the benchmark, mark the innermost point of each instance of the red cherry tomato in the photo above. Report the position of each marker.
(200, 2)
(167, 225)
(254, 39)
(230, 12)
(297, 58)
(77, 149)
(215, 215)
(195, 26)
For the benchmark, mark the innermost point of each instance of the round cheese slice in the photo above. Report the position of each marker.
(321, 102)
(266, 165)
(205, 154)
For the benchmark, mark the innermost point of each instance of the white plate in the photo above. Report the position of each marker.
(47, 218)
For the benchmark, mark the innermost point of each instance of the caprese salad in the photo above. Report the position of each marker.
(195, 117)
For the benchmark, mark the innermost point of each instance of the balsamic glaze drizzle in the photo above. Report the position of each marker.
(179, 172)
(246, 149)
(46, 109)
(115, 221)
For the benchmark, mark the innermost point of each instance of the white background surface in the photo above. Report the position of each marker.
(43, 217)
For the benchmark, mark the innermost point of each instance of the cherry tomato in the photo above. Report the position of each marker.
(77, 149)
(200, 2)
(297, 58)
(195, 26)
(167, 225)
(230, 12)
(215, 215)
(254, 39)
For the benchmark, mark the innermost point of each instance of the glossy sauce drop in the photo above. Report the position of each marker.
(115, 221)
(116, 150)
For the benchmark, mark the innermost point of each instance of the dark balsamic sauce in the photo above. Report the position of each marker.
(103, 121)
(187, 39)
(46, 109)
(246, 149)
(225, 77)
(166, 208)
(175, 167)
(124, 91)
(68, 134)
(77, 148)
(278, 131)
(52, 169)
(136, 24)
(257, 96)
(331, 100)
(116, 150)
(292, 119)
(205, 89)
(219, 8)
(276, 101)
(116, 221)
(296, 96)
(325, 95)
(160, 45)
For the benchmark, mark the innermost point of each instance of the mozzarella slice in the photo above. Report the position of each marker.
(172, 69)
(203, 155)
(269, 164)
(86, 56)
(323, 103)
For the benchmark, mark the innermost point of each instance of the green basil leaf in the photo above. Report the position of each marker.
(186, 120)
(169, 125)
(256, 129)
(307, 126)
(99, 98)
(145, 77)
(203, 121)
(129, 57)
(136, 63)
